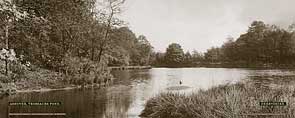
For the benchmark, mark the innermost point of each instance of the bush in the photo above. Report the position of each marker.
(82, 71)
(17, 70)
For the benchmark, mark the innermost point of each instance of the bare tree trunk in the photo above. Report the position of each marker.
(40, 47)
(102, 45)
(92, 49)
(6, 35)
(100, 54)
(6, 46)
(105, 38)
(114, 9)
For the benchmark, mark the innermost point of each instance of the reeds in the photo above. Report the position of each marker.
(226, 101)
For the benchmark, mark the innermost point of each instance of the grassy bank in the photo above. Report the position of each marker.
(227, 101)
(22, 78)
(45, 80)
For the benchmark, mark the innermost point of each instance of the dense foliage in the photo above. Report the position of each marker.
(76, 38)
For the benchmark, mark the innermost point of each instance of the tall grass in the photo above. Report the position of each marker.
(226, 101)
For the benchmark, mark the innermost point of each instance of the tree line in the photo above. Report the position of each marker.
(261, 45)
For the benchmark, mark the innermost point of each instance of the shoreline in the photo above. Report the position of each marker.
(45, 90)
(129, 67)
(60, 89)
(222, 66)
(12, 91)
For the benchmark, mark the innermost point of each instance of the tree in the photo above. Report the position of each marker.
(8, 15)
(174, 55)
(197, 57)
(109, 10)
(187, 59)
(145, 49)
(159, 59)
(59, 28)
(128, 49)
(229, 50)
(213, 55)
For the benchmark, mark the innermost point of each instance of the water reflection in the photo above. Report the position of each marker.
(127, 96)
(271, 78)
(117, 102)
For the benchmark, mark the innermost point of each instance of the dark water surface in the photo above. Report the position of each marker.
(127, 96)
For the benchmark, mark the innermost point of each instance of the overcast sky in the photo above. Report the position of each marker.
(201, 24)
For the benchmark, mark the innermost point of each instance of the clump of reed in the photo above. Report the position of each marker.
(226, 101)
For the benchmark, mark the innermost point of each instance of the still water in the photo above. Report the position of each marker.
(132, 88)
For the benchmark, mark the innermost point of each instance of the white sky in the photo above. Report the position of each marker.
(201, 24)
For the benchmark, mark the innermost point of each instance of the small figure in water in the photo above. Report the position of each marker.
(180, 82)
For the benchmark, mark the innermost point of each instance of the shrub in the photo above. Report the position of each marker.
(84, 71)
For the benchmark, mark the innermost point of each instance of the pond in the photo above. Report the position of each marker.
(132, 88)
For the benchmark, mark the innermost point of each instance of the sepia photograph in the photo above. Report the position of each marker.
(147, 59)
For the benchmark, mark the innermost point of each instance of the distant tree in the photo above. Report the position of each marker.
(197, 57)
(213, 55)
(158, 59)
(122, 49)
(174, 55)
(128, 49)
(145, 50)
(229, 49)
(187, 59)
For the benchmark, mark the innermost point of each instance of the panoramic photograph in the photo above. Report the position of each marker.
(147, 59)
